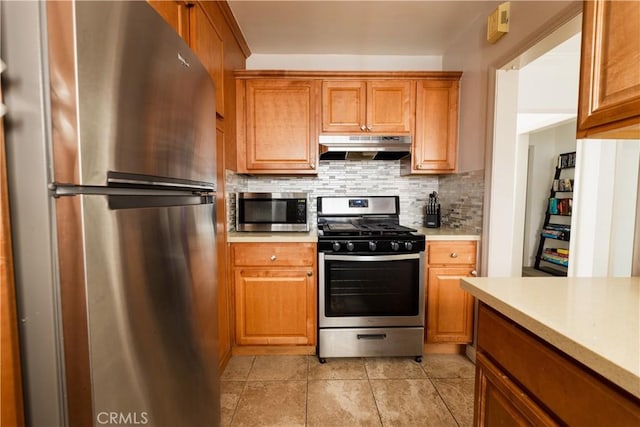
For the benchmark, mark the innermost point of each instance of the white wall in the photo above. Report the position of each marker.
(344, 62)
(605, 200)
(530, 21)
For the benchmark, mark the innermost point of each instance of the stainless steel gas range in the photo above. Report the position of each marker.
(371, 279)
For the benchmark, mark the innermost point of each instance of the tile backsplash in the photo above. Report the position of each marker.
(461, 199)
(355, 178)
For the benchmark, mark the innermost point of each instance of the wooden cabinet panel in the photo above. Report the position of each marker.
(275, 299)
(390, 106)
(499, 402)
(274, 306)
(571, 392)
(269, 254)
(206, 42)
(609, 98)
(280, 126)
(375, 106)
(449, 308)
(436, 138)
(175, 13)
(344, 106)
(452, 253)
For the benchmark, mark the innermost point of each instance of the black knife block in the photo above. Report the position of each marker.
(432, 216)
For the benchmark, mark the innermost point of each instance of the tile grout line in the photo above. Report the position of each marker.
(244, 388)
(443, 400)
(375, 401)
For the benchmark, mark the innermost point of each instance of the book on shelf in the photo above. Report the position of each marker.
(553, 255)
(567, 160)
(563, 184)
(557, 231)
(560, 206)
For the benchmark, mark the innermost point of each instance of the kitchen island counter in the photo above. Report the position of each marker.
(596, 321)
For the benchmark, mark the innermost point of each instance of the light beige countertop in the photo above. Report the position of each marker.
(594, 320)
(272, 237)
(447, 233)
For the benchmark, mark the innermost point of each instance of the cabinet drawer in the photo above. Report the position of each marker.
(450, 252)
(273, 254)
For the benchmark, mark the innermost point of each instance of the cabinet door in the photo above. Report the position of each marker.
(206, 42)
(609, 104)
(176, 15)
(275, 306)
(390, 106)
(436, 138)
(499, 402)
(344, 106)
(281, 126)
(449, 308)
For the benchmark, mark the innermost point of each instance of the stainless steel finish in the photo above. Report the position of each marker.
(365, 146)
(370, 342)
(378, 321)
(136, 114)
(240, 226)
(33, 234)
(121, 101)
(340, 206)
(273, 227)
(152, 326)
(272, 195)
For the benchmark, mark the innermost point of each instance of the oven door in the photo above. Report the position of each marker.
(371, 290)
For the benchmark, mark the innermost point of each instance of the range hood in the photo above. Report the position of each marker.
(364, 147)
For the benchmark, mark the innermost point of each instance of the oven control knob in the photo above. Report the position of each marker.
(372, 246)
(336, 246)
(395, 246)
(408, 245)
(350, 246)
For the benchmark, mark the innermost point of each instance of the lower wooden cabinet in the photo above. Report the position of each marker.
(523, 380)
(275, 293)
(449, 309)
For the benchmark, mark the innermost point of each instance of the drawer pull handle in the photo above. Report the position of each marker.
(273, 258)
(453, 255)
(474, 273)
(372, 336)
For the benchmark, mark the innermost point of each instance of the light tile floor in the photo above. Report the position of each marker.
(300, 391)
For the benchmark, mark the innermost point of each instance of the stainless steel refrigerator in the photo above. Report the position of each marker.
(110, 136)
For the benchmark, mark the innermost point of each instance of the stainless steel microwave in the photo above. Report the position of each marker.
(272, 212)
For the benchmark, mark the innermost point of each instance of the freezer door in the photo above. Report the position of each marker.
(152, 312)
(141, 100)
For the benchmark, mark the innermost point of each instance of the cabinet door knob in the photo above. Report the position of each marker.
(273, 258)
(474, 273)
(363, 128)
(309, 273)
(312, 165)
(453, 255)
(369, 128)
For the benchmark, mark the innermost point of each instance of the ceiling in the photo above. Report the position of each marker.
(382, 27)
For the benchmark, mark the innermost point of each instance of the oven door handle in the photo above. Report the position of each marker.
(371, 257)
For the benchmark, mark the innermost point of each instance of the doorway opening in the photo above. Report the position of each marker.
(535, 108)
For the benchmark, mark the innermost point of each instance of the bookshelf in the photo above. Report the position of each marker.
(552, 255)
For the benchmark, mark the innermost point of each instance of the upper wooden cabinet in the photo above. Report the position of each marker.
(192, 22)
(609, 98)
(277, 121)
(435, 144)
(375, 106)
